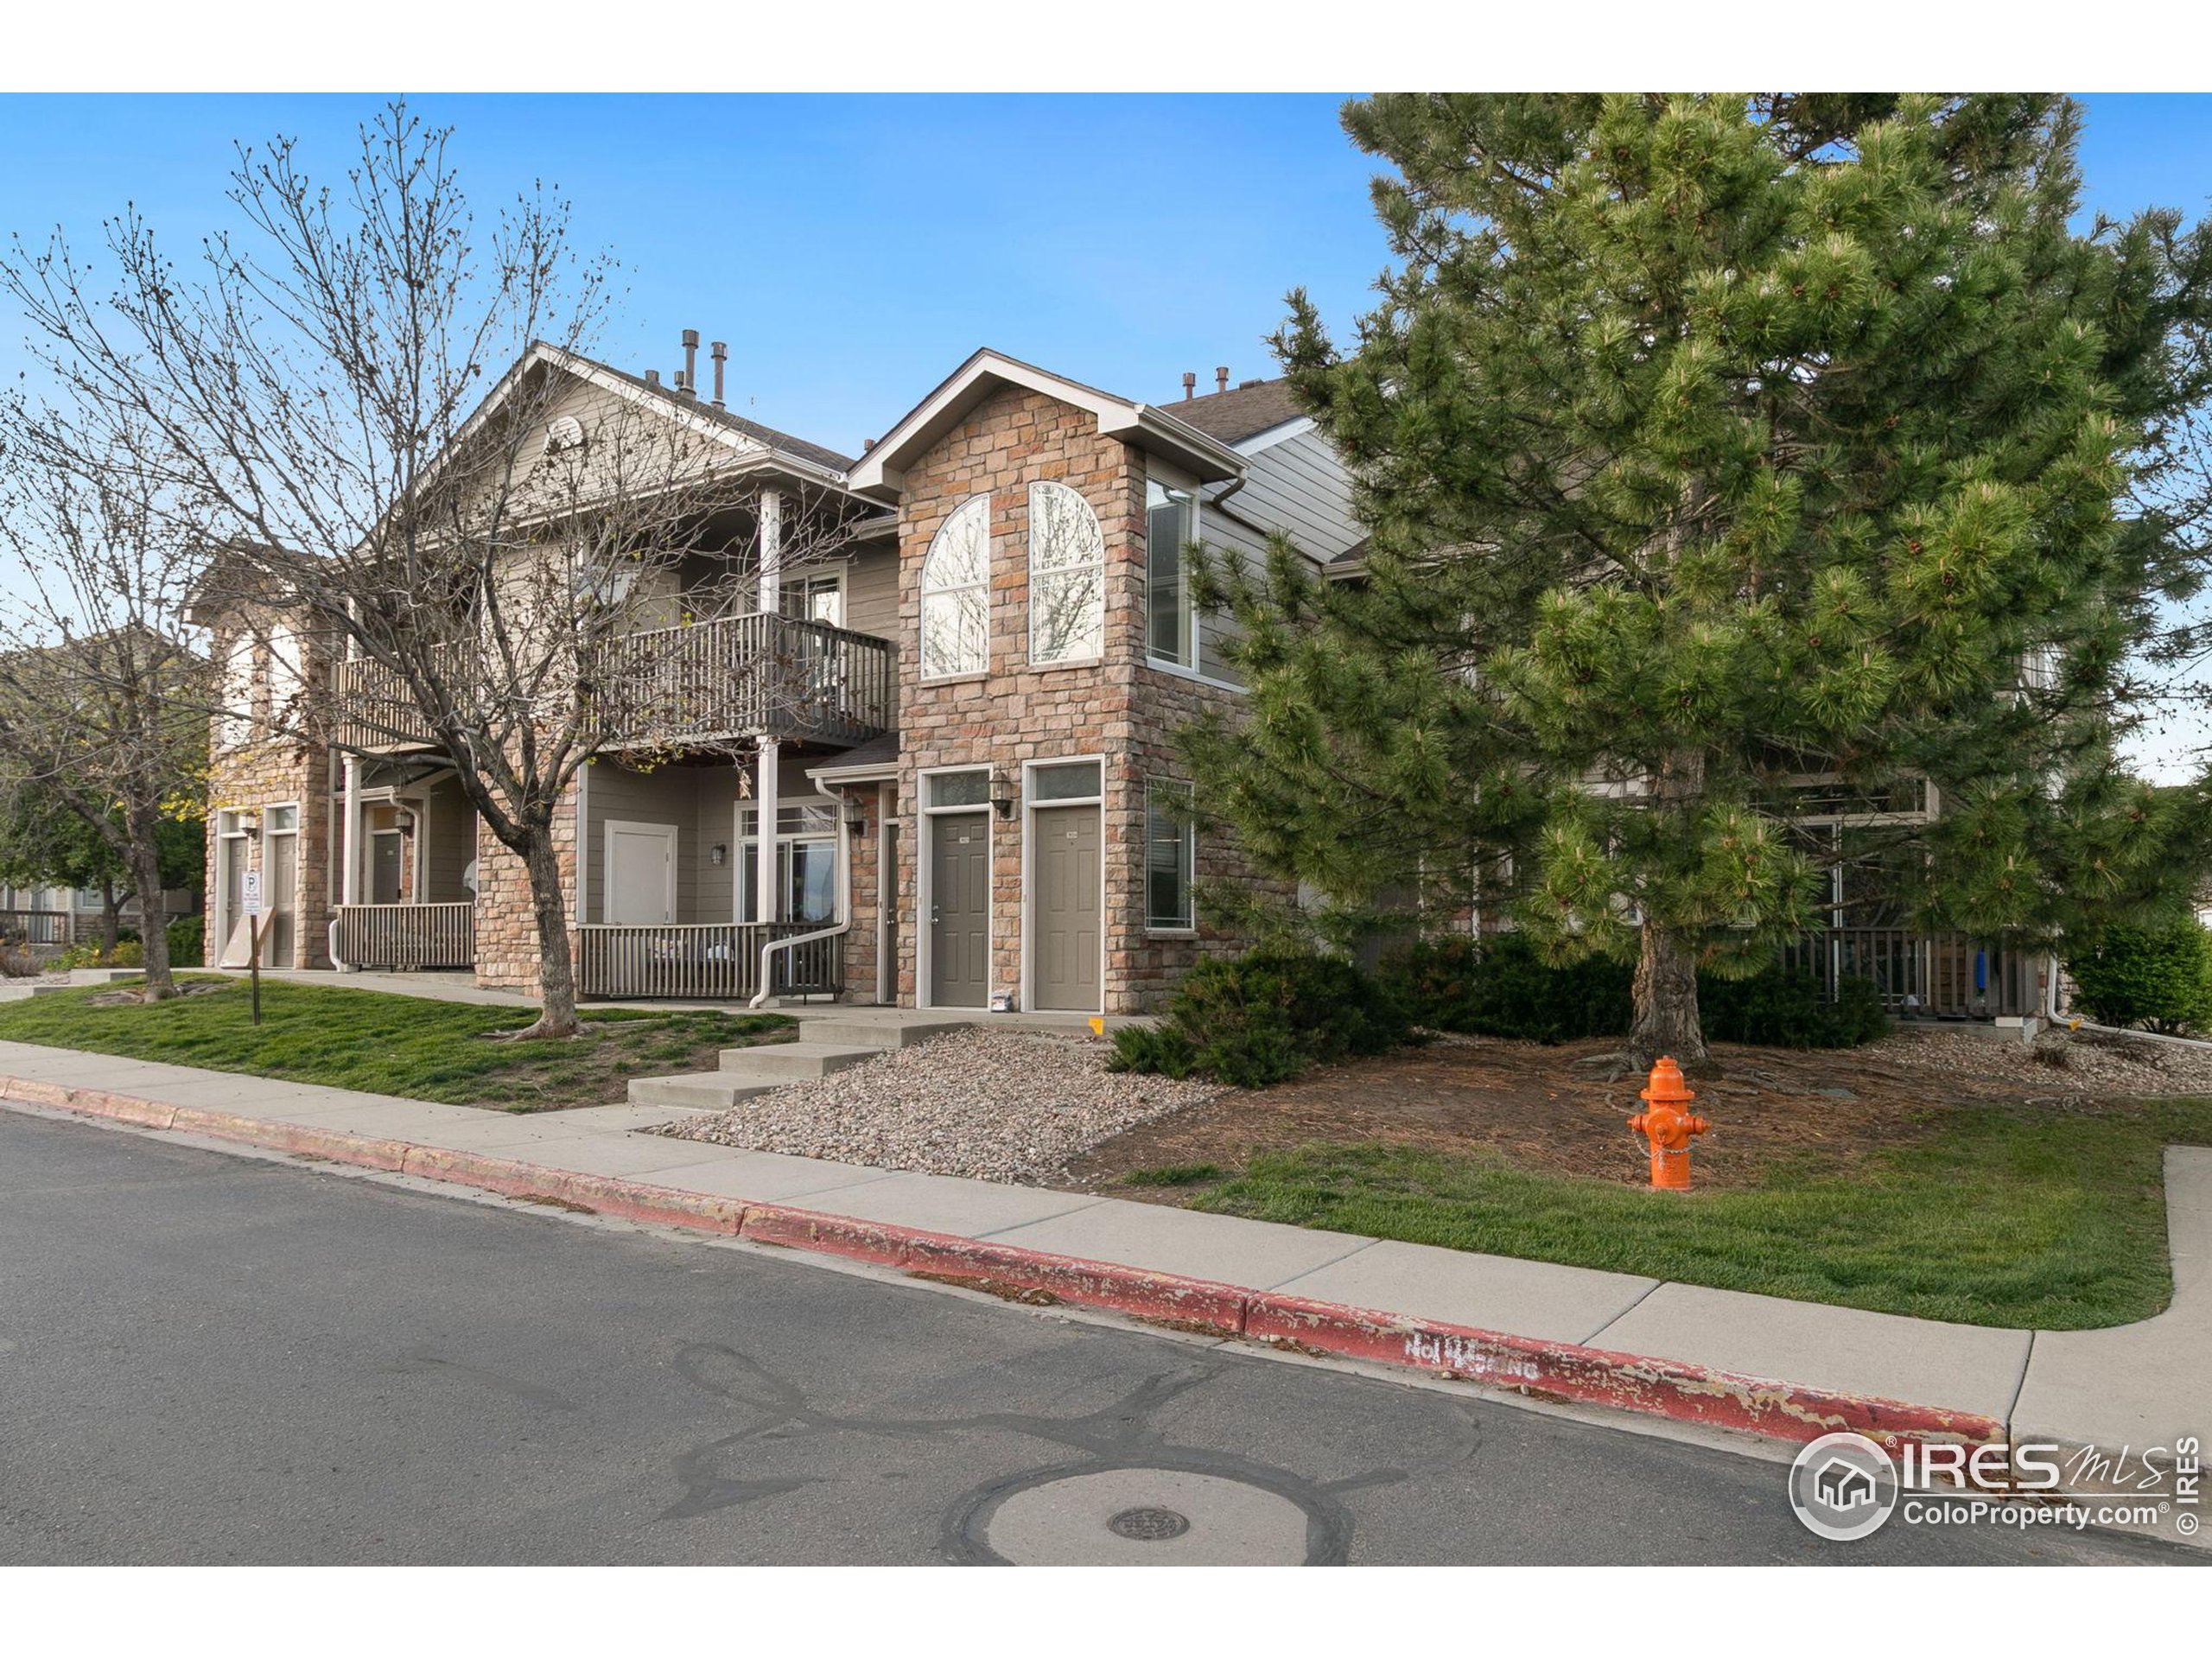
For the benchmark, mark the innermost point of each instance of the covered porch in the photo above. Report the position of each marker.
(405, 853)
(678, 892)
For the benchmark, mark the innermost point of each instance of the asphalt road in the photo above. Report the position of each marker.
(208, 1358)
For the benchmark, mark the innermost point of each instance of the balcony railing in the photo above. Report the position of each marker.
(704, 962)
(34, 927)
(716, 680)
(743, 674)
(404, 936)
(1938, 975)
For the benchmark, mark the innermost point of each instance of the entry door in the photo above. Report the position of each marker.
(1063, 920)
(640, 874)
(230, 858)
(282, 883)
(960, 909)
(384, 867)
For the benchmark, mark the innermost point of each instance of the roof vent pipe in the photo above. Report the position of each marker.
(1190, 384)
(652, 377)
(720, 352)
(687, 382)
(1221, 378)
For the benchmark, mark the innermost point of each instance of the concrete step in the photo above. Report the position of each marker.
(791, 1062)
(862, 1031)
(696, 1091)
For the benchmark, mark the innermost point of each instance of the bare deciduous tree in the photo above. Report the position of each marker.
(499, 558)
(103, 696)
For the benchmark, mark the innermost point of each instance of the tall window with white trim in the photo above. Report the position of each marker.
(1067, 577)
(1172, 633)
(957, 593)
(1171, 853)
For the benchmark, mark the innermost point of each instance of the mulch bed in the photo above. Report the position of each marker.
(1533, 1105)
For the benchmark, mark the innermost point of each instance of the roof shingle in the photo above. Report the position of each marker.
(1240, 413)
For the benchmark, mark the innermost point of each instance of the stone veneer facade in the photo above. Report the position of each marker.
(506, 927)
(264, 771)
(1116, 708)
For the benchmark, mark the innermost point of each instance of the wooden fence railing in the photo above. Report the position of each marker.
(34, 927)
(717, 679)
(704, 962)
(1934, 974)
(405, 936)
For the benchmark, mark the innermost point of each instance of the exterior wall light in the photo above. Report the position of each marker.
(1004, 796)
(718, 854)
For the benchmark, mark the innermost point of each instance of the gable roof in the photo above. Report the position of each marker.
(987, 372)
(1240, 413)
(781, 442)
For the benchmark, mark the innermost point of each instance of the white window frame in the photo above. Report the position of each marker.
(1187, 928)
(925, 858)
(749, 852)
(234, 723)
(1096, 563)
(1169, 479)
(798, 580)
(1031, 806)
(929, 592)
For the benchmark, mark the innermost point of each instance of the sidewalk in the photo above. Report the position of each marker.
(1788, 1369)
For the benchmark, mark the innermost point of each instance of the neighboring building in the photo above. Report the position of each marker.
(976, 803)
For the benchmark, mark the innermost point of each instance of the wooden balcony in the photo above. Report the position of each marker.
(704, 962)
(743, 674)
(1939, 976)
(710, 682)
(405, 936)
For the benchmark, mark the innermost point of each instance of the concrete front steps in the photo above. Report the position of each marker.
(825, 1046)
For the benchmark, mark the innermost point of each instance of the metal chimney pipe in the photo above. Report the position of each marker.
(1221, 378)
(720, 352)
(688, 383)
(1190, 384)
(652, 377)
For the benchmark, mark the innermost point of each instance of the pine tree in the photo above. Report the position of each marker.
(1720, 456)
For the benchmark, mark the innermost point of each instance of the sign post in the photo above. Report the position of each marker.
(252, 897)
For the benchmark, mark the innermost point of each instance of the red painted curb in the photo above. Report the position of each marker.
(1569, 1372)
(1162, 1298)
(1549, 1370)
(337, 1145)
(809, 1230)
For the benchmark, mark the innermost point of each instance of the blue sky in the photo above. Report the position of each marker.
(853, 249)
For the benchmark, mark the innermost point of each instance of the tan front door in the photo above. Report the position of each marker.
(280, 887)
(1064, 926)
(960, 909)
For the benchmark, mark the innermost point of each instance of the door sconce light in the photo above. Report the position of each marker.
(856, 819)
(718, 854)
(403, 822)
(1004, 796)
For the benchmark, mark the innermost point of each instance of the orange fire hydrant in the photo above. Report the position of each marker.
(1668, 1124)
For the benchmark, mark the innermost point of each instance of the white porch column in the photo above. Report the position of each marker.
(349, 837)
(766, 789)
(771, 550)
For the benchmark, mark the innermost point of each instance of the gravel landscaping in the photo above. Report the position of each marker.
(2059, 1061)
(999, 1105)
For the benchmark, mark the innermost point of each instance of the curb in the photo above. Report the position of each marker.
(1560, 1372)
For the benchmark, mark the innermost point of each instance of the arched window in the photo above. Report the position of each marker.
(1067, 576)
(956, 593)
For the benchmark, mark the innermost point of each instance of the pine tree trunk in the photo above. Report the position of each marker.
(556, 979)
(1665, 1002)
(153, 933)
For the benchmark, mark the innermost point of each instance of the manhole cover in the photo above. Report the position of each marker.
(1149, 1526)
(1149, 1517)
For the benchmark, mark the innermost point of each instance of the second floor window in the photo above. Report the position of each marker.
(813, 598)
(956, 593)
(1172, 634)
(1067, 577)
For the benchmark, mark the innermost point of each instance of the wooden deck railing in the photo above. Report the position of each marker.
(34, 927)
(1943, 973)
(704, 962)
(405, 936)
(741, 674)
(718, 679)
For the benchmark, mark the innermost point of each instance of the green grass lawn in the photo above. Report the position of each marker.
(2051, 1219)
(390, 1045)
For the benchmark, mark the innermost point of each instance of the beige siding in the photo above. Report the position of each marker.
(872, 592)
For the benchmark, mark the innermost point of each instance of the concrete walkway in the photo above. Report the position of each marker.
(2132, 1386)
